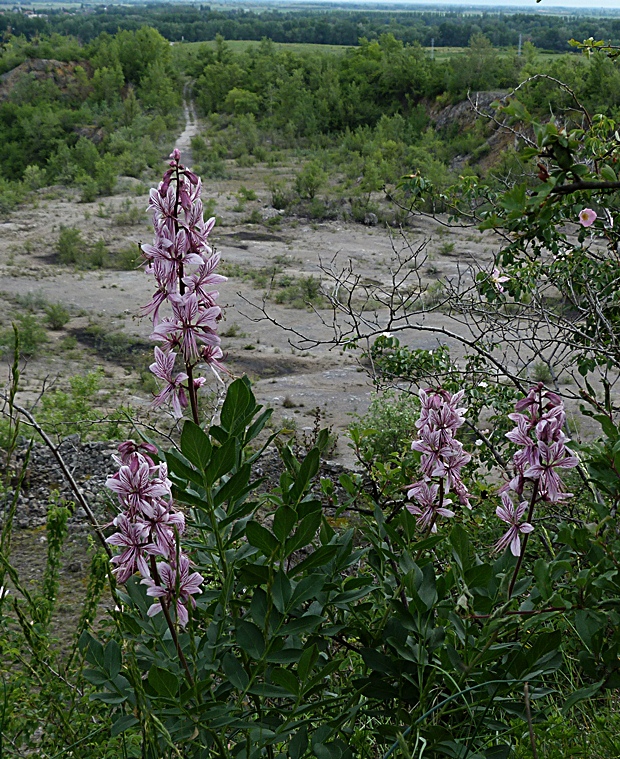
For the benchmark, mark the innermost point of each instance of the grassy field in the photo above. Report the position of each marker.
(239, 46)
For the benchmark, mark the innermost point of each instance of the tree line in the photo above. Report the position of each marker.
(334, 27)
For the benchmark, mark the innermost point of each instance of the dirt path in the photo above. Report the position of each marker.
(191, 128)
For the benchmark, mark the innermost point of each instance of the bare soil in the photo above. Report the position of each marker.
(292, 380)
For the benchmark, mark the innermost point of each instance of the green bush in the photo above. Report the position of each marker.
(57, 315)
(66, 412)
(387, 427)
(71, 246)
(310, 180)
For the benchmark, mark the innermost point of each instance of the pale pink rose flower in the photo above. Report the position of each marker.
(587, 217)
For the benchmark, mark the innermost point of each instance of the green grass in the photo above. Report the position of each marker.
(240, 46)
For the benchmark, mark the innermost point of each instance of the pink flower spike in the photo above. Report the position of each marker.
(587, 217)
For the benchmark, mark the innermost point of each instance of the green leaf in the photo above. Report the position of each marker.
(112, 659)
(178, 466)
(250, 639)
(299, 744)
(307, 589)
(195, 445)
(544, 584)
(235, 488)
(377, 661)
(256, 427)
(238, 398)
(261, 538)
(281, 591)
(307, 661)
(163, 682)
(589, 624)
(461, 547)
(301, 624)
(91, 648)
(305, 533)
(581, 695)
(223, 459)
(286, 679)
(608, 174)
(235, 673)
(123, 723)
(318, 558)
(427, 591)
(283, 522)
(264, 690)
(309, 467)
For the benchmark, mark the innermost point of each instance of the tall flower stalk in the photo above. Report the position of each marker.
(183, 265)
(443, 457)
(183, 309)
(540, 419)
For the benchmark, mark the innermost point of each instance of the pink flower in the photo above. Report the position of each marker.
(426, 496)
(137, 488)
(443, 456)
(512, 516)
(174, 391)
(587, 217)
(177, 587)
(551, 457)
(497, 279)
(134, 539)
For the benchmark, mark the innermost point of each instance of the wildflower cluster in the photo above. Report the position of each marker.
(148, 531)
(540, 418)
(443, 457)
(183, 265)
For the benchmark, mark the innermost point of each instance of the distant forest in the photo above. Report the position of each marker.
(334, 27)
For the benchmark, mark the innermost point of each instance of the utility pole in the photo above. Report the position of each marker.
(520, 41)
(432, 49)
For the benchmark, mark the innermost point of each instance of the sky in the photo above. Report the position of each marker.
(531, 5)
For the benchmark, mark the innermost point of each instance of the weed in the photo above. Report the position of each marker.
(233, 331)
(71, 246)
(31, 336)
(541, 372)
(64, 412)
(446, 248)
(254, 217)
(122, 349)
(388, 425)
(244, 194)
(57, 315)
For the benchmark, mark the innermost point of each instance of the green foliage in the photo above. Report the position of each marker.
(57, 315)
(73, 250)
(32, 336)
(387, 428)
(67, 412)
(348, 639)
(310, 180)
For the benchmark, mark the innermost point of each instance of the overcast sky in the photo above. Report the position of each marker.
(531, 5)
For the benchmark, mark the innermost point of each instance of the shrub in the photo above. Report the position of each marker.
(387, 427)
(71, 246)
(57, 315)
(310, 180)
